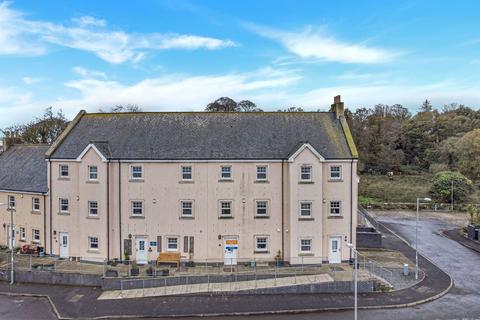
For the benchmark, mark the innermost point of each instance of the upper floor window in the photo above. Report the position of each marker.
(261, 209)
(63, 171)
(64, 205)
(36, 236)
(306, 173)
(335, 172)
(262, 173)
(36, 204)
(137, 172)
(11, 202)
(335, 208)
(137, 208)
(186, 208)
(93, 208)
(92, 172)
(93, 243)
(305, 245)
(305, 209)
(261, 244)
(172, 244)
(226, 173)
(187, 173)
(225, 208)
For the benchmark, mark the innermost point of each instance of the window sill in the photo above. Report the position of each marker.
(36, 242)
(93, 251)
(225, 217)
(225, 180)
(306, 219)
(262, 217)
(92, 181)
(64, 179)
(186, 181)
(335, 217)
(335, 180)
(93, 217)
(305, 182)
(136, 180)
(36, 212)
(261, 181)
(187, 217)
(22, 240)
(261, 252)
(63, 213)
(305, 254)
(137, 217)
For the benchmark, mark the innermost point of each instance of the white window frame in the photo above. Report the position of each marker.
(90, 172)
(267, 208)
(301, 245)
(182, 173)
(132, 172)
(36, 235)
(330, 207)
(176, 249)
(23, 234)
(339, 172)
(220, 208)
(90, 203)
(61, 171)
(34, 209)
(60, 200)
(257, 173)
(301, 210)
(132, 208)
(304, 166)
(92, 240)
(11, 202)
(230, 177)
(182, 214)
(267, 244)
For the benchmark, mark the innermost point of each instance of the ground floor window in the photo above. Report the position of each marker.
(261, 244)
(36, 236)
(335, 208)
(93, 243)
(305, 245)
(22, 234)
(172, 244)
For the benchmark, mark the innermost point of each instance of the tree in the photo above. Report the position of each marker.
(248, 106)
(122, 108)
(223, 104)
(291, 109)
(467, 153)
(474, 213)
(442, 186)
(426, 106)
(43, 130)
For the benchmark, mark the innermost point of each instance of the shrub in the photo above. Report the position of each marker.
(442, 186)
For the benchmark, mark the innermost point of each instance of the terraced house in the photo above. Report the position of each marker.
(23, 192)
(213, 186)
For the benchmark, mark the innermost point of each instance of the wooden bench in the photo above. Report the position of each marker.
(169, 257)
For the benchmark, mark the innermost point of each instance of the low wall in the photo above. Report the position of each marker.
(368, 237)
(50, 277)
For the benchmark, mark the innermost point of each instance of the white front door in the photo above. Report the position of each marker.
(230, 252)
(141, 253)
(11, 237)
(64, 245)
(335, 250)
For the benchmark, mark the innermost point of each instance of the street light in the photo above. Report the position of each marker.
(355, 266)
(416, 234)
(12, 233)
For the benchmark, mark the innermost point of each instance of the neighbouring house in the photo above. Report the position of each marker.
(23, 190)
(216, 187)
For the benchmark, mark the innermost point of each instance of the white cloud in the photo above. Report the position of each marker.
(30, 80)
(86, 73)
(21, 36)
(316, 44)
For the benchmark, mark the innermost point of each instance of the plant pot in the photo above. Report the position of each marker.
(134, 272)
(111, 273)
(165, 272)
(126, 262)
(279, 263)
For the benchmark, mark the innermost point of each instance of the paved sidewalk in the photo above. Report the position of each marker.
(83, 302)
(455, 235)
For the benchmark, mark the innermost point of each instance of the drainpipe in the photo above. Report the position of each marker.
(351, 207)
(45, 222)
(108, 210)
(120, 207)
(51, 197)
(283, 218)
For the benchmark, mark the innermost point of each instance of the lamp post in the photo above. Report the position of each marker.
(354, 251)
(451, 198)
(416, 234)
(11, 236)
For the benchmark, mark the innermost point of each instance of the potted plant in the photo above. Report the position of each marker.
(127, 257)
(278, 259)
(134, 270)
(150, 271)
(110, 273)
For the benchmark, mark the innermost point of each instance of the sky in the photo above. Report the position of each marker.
(169, 55)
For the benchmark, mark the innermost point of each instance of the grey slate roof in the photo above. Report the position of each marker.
(203, 135)
(23, 168)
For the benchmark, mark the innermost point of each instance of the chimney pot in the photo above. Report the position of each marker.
(337, 99)
(338, 107)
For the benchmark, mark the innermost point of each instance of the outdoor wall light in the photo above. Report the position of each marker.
(78, 198)
(324, 200)
(129, 236)
(219, 237)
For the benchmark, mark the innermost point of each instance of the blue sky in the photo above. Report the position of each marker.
(180, 55)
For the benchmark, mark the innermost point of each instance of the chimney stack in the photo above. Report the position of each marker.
(338, 107)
